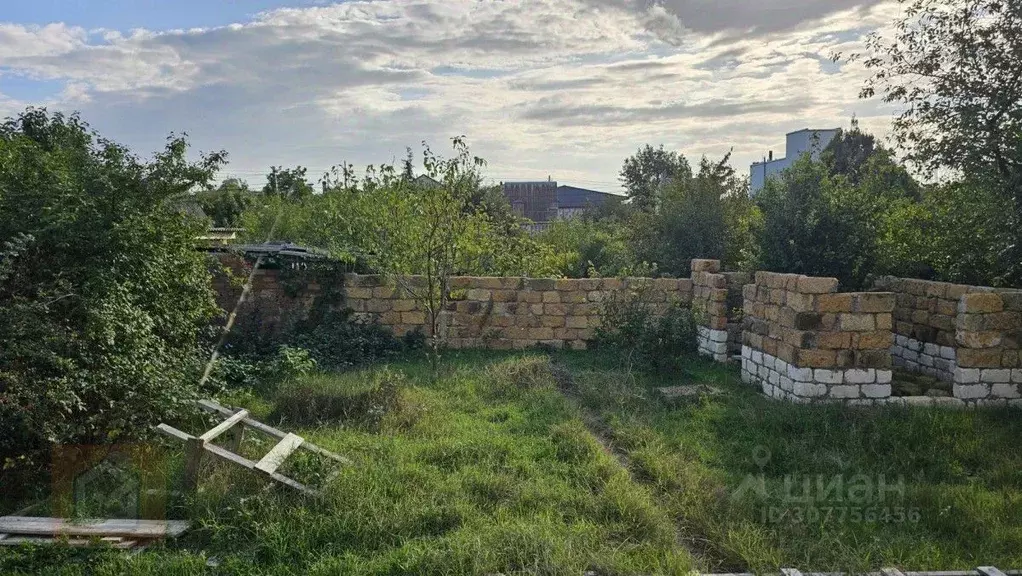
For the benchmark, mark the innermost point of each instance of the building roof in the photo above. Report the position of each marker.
(572, 197)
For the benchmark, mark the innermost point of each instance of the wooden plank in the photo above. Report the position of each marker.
(37, 526)
(224, 426)
(276, 456)
(271, 431)
(246, 463)
(174, 432)
(120, 544)
(990, 571)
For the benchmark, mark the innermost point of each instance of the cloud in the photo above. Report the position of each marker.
(561, 87)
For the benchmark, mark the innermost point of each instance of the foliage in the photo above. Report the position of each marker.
(588, 247)
(288, 183)
(645, 174)
(643, 334)
(815, 224)
(225, 204)
(707, 215)
(952, 66)
(102, 294)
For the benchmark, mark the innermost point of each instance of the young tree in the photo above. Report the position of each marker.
(645, 174)
(290, 183)
(102, 293)
(955, 67)
(225, 204)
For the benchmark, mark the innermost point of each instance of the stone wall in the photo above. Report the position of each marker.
(805, 342)
(967, 335)
(717, 301)
(988, 334)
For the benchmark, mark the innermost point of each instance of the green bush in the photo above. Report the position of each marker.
(652, 337)
(102, 293)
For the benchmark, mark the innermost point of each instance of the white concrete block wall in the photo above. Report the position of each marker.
(713, 343)
(782, 380)
(924, 357)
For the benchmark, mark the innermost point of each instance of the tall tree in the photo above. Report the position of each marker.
(645, 174)
(955, 67)
(288, 183)
(226, 203)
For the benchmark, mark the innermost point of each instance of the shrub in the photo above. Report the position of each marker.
(649, 336)
(102, 293)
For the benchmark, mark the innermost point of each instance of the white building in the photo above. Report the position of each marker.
(796, 144)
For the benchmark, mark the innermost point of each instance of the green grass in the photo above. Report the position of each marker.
(961, 473)
(497, 466)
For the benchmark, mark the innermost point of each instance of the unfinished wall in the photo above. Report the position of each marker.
(967, 335)
(805, 342)
(509, 313)
(717, 301)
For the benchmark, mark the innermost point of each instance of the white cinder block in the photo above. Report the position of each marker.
(995, 376)
(876, 390)
(809, 389)
(1005, 391)
(911, 356)
(746, 352)
(825, 376)
(1016, 375)
(914, 345)
(947, 353)
(787, 384)
(774, 378)
(900, 340)
(971, 391)
(919, 401)
(757, 356)
(718, 335)
(931, 349)
(746, 377)
(844, 391)
(884, 376)
(860, 375)
(926, 360)
(800, 374)
(966, 375)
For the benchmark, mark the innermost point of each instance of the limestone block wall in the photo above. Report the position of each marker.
(988, 335)
(803, 341)
(717, 301)
(508, 313)
(967, 335)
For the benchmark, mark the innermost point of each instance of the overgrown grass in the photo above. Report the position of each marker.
(488, 469)
(497, 467)
(953, 478)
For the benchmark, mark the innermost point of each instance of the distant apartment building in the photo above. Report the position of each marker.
(805, 141)
(543, 202)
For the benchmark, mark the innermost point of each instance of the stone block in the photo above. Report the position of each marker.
(857, 322)
(551, 297)
(1010, 358)
(1005, 391)
(828, 376)
(860, 376)
(979, 339)
(876, 390)
(875, 340)
(835, 303)
(552, 321)
(991, 375)
(555, 309)
(979, 358)
(873, 302)
(566, 285)
(541, 284)
(966, 375)
(808, 320)
(833, 340)
(816, 358)
(884, 376)
(970, 391)
(413, 318)
(577, 322)
(541, 333)
(814, 285)
(873, 359)
(809, 389)
(844, 392)
(1016, 375)
(980, 302)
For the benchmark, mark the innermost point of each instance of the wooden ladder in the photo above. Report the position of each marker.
(234, 425)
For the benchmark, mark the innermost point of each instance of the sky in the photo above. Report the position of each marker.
(539, 88)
